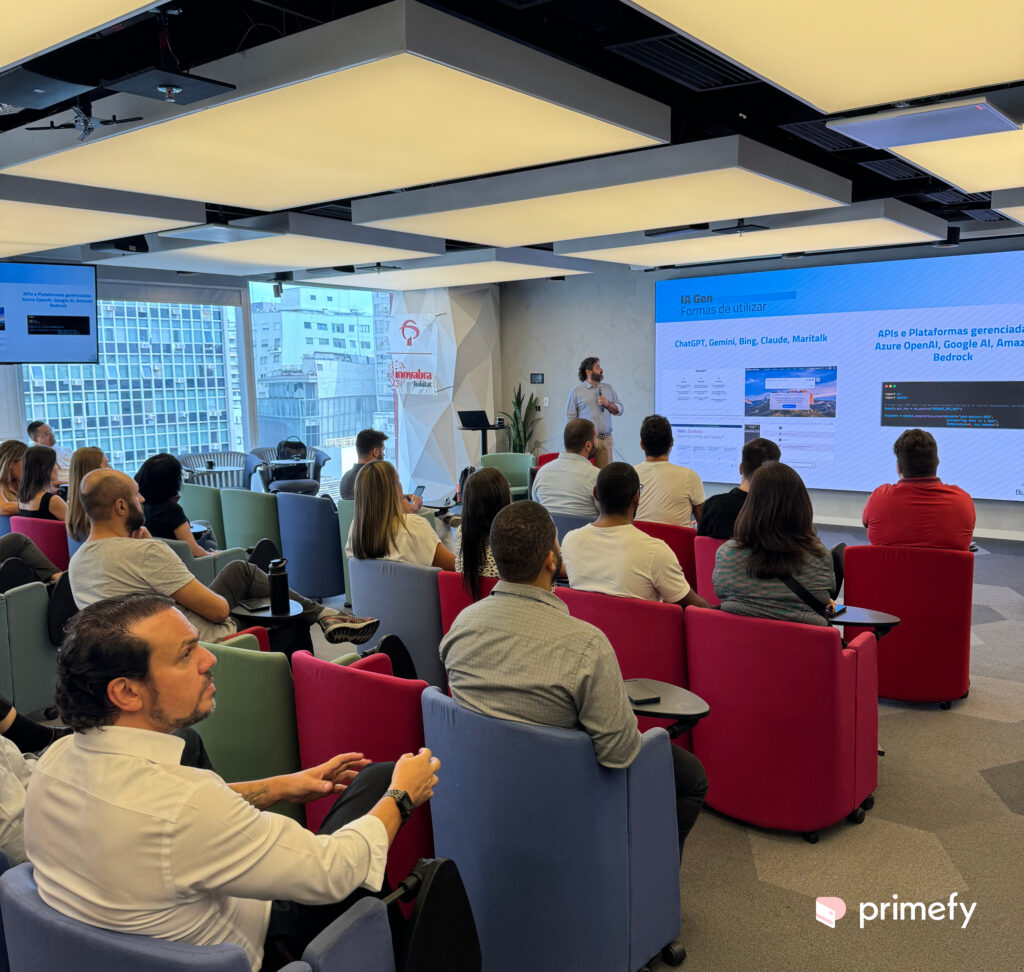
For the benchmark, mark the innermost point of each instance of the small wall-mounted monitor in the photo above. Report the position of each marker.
(536, 377)
(47, 313)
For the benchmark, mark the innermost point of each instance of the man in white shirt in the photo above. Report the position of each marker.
(611, 556)
(123, 837)
(671, 493)
(595, 399)
(41, 434)
(566, 484)
(120, 557)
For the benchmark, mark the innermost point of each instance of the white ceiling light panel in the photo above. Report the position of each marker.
(884, 222)
(395, 96)
(37, 215)
(268, 244)
(977, 163)
(1010, 202)
(461, 269)
(838, 56)
(697, 182)
(26, 32)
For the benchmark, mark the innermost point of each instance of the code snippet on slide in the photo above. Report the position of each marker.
(953, 404)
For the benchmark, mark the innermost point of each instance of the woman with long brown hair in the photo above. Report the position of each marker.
(485, 493)
(774, 539)
(382, 531)
(83, 462)
(12, 454)
(37, 494)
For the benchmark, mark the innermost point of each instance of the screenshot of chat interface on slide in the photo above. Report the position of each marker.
(47, 313)
(834, 362)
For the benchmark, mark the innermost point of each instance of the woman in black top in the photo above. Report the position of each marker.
(37, 493)
(159, 482)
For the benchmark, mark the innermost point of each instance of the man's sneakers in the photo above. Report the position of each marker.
(347, 627)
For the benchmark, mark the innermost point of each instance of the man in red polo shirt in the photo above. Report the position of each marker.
(920, 510)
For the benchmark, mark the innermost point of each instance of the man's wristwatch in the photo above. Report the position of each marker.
(401, 798)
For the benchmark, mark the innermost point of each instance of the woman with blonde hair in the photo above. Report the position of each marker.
(83, 462)
(382, 531)
(12, 453)
(37, 494)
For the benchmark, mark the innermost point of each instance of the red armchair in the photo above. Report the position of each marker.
(455, 597)
(50, 536)
(350, 708)
(647, 637)
(791, 741)
(704, 551)
(927, 658)
(680, 539)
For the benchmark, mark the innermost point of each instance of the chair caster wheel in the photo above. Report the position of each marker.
(811, 836)
(868, 803)
(945, 705)
(857, 817)
(673, 954)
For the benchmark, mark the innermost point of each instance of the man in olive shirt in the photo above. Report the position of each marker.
(519, 655)
(720, 512)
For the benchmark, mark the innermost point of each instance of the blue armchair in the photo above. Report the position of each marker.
(310, 541)
(568, 865)
(28, 661)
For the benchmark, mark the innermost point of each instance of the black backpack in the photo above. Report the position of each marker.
(463, 476)
(291, 448)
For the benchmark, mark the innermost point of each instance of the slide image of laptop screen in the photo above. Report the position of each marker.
(790, 392)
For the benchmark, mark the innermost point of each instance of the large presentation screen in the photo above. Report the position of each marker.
(833, 363)
(47, 313)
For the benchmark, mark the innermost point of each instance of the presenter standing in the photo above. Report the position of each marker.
(595, 399)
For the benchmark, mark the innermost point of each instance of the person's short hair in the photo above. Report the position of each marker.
(159, 478)
(585, 365)
(656, 435)
(917, 454)
(34, 427)
(101, 489)
(617, 484)
(97, 648)
(522, 535)
(368, 440)
(578, 432)
(756, 453)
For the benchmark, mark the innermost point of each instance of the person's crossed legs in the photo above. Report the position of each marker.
(691, 787)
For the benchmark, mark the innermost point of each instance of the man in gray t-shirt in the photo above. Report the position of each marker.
(519, 655)
(121, 558)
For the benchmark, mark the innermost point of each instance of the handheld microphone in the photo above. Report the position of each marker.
(599, 394)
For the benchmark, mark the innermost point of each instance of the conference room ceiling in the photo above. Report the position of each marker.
(710, 97)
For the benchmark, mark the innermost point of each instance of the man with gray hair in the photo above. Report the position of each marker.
(519, 655)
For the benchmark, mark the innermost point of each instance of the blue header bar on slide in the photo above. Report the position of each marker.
(989, 278)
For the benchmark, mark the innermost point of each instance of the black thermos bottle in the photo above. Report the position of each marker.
(278, 586)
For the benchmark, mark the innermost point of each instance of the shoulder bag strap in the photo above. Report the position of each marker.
(807, 597)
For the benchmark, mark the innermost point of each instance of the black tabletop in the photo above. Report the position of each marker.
(864, 618)
(673, 702)
(261, 614)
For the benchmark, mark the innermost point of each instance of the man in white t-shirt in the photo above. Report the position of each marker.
(566, 485)
(671, 493)
(611, 556)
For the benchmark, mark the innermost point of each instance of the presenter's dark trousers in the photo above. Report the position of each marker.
(293, 926)
(691, 788)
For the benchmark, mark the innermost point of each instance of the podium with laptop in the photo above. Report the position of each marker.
(477, 420)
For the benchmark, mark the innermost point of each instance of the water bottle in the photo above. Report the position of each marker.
(278, 576)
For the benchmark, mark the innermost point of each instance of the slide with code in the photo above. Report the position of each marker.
(834, 362)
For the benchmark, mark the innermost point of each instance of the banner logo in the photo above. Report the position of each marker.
(409, 332)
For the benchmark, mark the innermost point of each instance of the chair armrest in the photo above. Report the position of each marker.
(297, 967)
(653, 840)
(224, 557)
(865, 732)
(33, 657)
(357, 941)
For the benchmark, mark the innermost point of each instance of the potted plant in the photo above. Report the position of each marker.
(520, 423)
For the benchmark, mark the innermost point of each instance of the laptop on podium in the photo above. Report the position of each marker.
(474, 420)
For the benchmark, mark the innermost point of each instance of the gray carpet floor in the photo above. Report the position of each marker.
(949, 816)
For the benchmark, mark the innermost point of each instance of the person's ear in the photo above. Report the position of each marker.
(124, 695)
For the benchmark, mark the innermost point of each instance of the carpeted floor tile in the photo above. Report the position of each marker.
(1008, 783)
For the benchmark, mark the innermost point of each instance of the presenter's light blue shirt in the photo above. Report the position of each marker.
(582, 403)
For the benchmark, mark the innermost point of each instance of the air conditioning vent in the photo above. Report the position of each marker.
(684, 61)
(893, 169)
(817, 133)
(983, 215)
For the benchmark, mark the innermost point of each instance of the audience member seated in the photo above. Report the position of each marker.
(919, 510)
(774, 540)
(42, 435)
(119, 557)
(22, 562)
(83, 462)
(381, 530)
(12, 453)
(486, 492)
(519, 655)
(719, 514)
(671, 493)
(611, 556)
(37, 494)
(369, 448)
(159, 482)
(566, 484)
(123, 837)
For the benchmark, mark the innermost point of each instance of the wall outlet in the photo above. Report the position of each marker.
(547, 401)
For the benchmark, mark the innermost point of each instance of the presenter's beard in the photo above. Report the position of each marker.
(599, 377)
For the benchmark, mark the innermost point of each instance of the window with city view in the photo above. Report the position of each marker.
(169, 381)
(318, 374)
